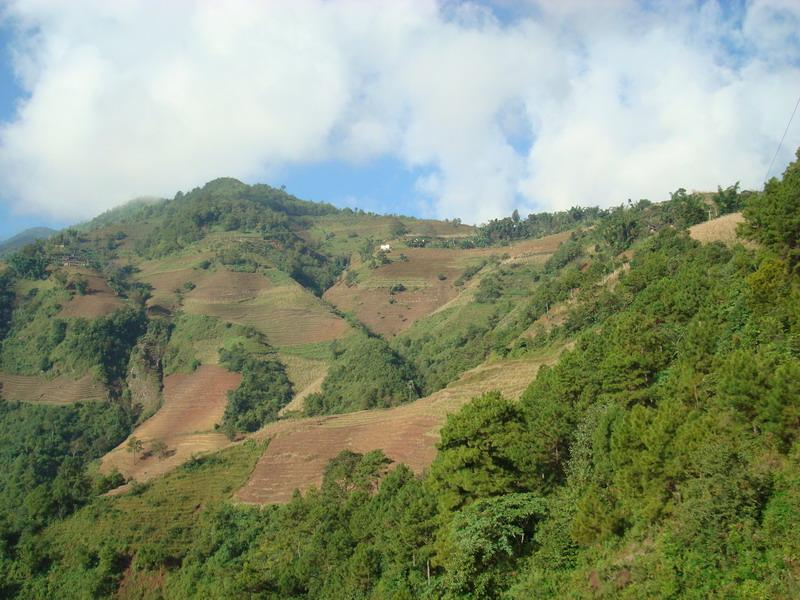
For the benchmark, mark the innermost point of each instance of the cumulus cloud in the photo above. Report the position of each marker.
(557, 106)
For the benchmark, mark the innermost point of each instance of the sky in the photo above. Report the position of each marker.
(431, 108)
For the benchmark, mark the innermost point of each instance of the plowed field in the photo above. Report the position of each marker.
(286, 313)
(299, 450)
(428, 276)
(60, 390)
(99, 301)
(193, 404)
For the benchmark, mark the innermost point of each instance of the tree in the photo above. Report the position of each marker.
(482, 453)
(30, 261)
(397, 228)
(772, 218)
(134, 446)
(486, 538)
(160, 449)
(729, 200)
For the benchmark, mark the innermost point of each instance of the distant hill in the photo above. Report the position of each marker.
(25, 237)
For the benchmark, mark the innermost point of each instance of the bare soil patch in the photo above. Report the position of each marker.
(722, 229)
(59, 390)
(99, 301)
(193, 404)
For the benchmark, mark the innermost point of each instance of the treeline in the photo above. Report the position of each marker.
(621, 225)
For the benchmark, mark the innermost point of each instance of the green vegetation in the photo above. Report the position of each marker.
(44, 457)
(87, 555)
(229, 205)
(30, 261)
(7, 296)
(773, 218)
(198, 339)
(38, 342)
(366, 373)
(264, 391)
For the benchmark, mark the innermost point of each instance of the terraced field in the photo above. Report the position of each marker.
(342, 234)
(299, 450)
(99, 301)
(168, 276)
(284, 312)
(306, 375)
(721, 229)
(193, 404)
(58, 391)
(428, 276)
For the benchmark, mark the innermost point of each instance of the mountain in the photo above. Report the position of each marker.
(23, 238)
(236, 393)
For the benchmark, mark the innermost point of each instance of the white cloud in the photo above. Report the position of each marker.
(143, 97)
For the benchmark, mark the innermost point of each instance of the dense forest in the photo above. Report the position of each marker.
(657, 458)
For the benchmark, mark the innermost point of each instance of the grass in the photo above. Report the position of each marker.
(24, 286)
(302, 371)
(314, 351)
(722, 229)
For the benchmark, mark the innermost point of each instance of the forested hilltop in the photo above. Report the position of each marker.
(652, 453)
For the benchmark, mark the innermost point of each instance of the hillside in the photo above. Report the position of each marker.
(239, 393)
(23, 238)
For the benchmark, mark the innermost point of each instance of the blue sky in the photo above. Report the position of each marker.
(382, 185)
(9, 93)
(457, 108)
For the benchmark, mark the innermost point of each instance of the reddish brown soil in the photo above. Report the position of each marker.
(60, 390)
(374, 307)
(99, 301)
(389, 314)
(222, 286)
(193, 404)
(296, 458)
